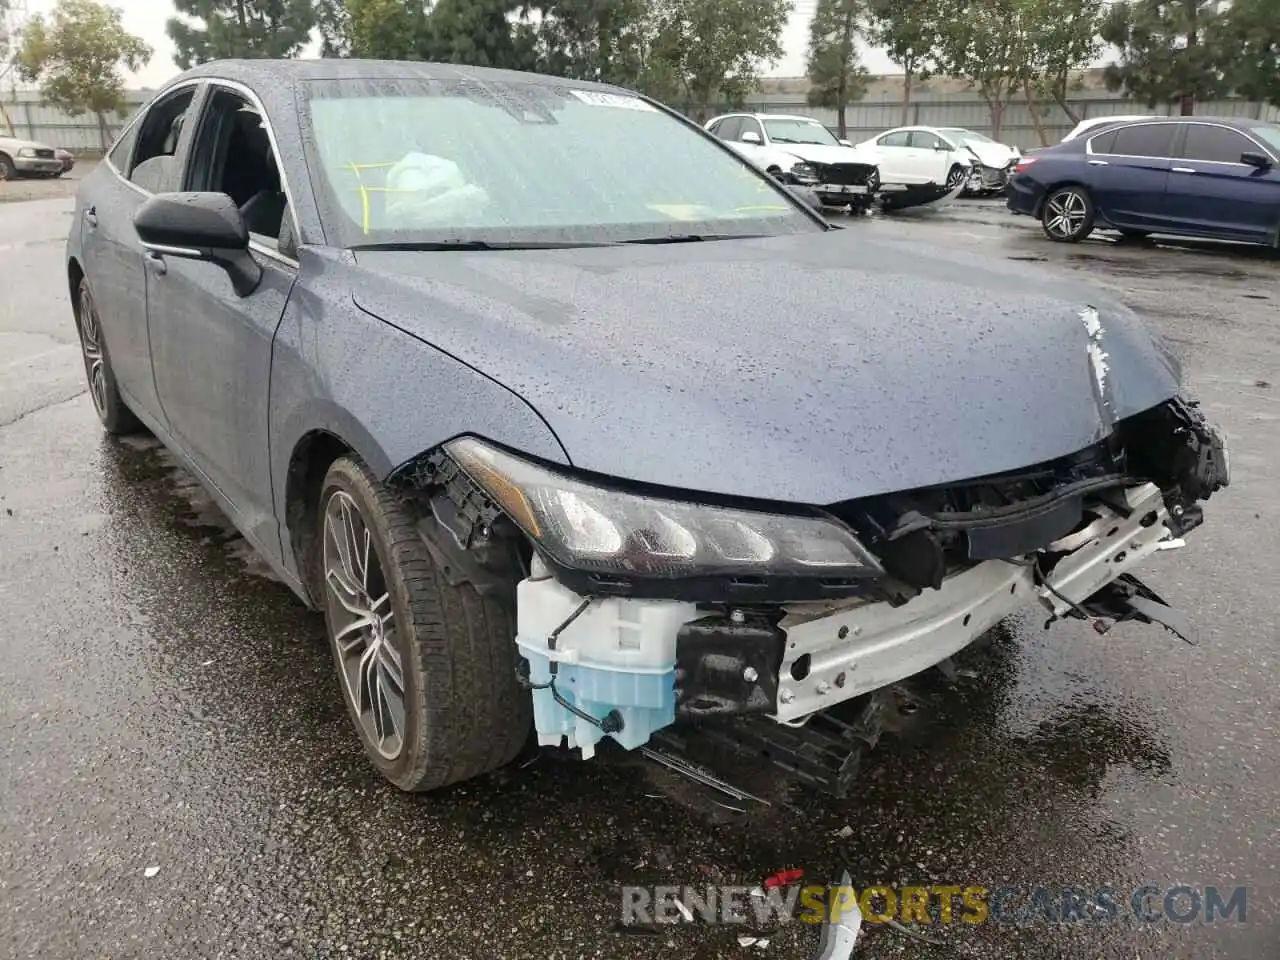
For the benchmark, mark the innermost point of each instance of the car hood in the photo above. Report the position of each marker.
(993, 154)
(813, 368)
(14, 143)
(826, 153)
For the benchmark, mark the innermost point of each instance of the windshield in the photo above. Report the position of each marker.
(503, 162)
(1268, 134)
(967, 136)
(799, 131)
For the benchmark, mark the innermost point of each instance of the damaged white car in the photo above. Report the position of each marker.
(590, 449)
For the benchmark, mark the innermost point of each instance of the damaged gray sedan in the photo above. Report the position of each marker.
(573, 421)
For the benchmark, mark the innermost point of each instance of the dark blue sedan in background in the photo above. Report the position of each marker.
(1188, 176)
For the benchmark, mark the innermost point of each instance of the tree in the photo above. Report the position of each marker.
(1162, 58)
(1067, 41)
(836, 75)
(334, 25)
(1252, 30)
(381, 29)
(75, 54)
(481, 33)
(907, 30)
(990, 44)
(601, 40)
(239, 28)
(711, 50)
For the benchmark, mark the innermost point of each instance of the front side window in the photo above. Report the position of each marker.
(1145, 140)
(1214, 144)
(923, 140)
(729, 128)
(800, 131)
(232, 154)
(750, 125)
(422, 161)
(122, 151)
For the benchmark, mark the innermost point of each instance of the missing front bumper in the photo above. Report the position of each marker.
(627, 668)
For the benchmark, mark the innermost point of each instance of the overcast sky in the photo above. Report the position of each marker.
(146, 18)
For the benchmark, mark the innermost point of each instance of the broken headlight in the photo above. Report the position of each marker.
(803, 172)
(599, 530)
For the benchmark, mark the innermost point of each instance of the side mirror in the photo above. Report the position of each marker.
(1255, 159)
(941, 147)
(751, 137)
(200, 226)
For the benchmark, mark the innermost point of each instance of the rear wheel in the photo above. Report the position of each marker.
(428, 670)
(1068, 215)
(7, 169)
(116, 418)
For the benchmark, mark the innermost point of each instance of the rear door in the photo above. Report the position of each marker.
(210, 346)
(139, 163)
(1211, 191)
(1129, 180)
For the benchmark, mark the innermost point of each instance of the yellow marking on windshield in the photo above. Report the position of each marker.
(761, 206)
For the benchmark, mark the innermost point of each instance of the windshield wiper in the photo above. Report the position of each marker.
(421, 245)
(697, 237)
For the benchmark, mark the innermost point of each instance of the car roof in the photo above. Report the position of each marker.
(767, 116)
(257, 73)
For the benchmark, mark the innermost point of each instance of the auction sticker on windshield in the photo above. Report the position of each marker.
(598, 99)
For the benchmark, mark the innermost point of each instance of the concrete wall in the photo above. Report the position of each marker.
(35, 121)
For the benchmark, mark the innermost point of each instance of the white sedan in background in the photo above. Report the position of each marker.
(919, 156)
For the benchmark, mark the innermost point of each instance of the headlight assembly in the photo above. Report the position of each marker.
(26, 152)
(805, 172)
(613, 533)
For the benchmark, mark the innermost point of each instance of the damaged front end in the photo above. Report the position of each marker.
(637, 610)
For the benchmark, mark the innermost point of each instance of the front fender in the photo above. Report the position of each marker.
(386, 394)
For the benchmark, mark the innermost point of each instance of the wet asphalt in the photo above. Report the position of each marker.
(178, 779)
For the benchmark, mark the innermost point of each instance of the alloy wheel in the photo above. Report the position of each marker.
(1065, 214)
(362, 624)
(91, 349)
(954, 178)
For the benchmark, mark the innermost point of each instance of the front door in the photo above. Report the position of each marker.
(211, 347)
(1211, 191)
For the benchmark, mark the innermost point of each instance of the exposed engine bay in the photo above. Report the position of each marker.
(605, 657)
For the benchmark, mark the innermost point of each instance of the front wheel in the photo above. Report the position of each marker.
(1068, 215)
(427, 669)
(955, 177)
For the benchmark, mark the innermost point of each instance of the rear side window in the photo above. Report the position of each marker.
(898, 139)
(122, 152)
(1146, 140)
(1215, 144)
(159, 133)
(1103, 142)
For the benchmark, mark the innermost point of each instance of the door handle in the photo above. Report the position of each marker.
(91, 216)
(1098, 163)
(156, 264)
(1184, 169)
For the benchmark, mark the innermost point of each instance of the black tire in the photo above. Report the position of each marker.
(7, 170)
(955, 176)
(115, 416)
(1068, 214)
(464, 712)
